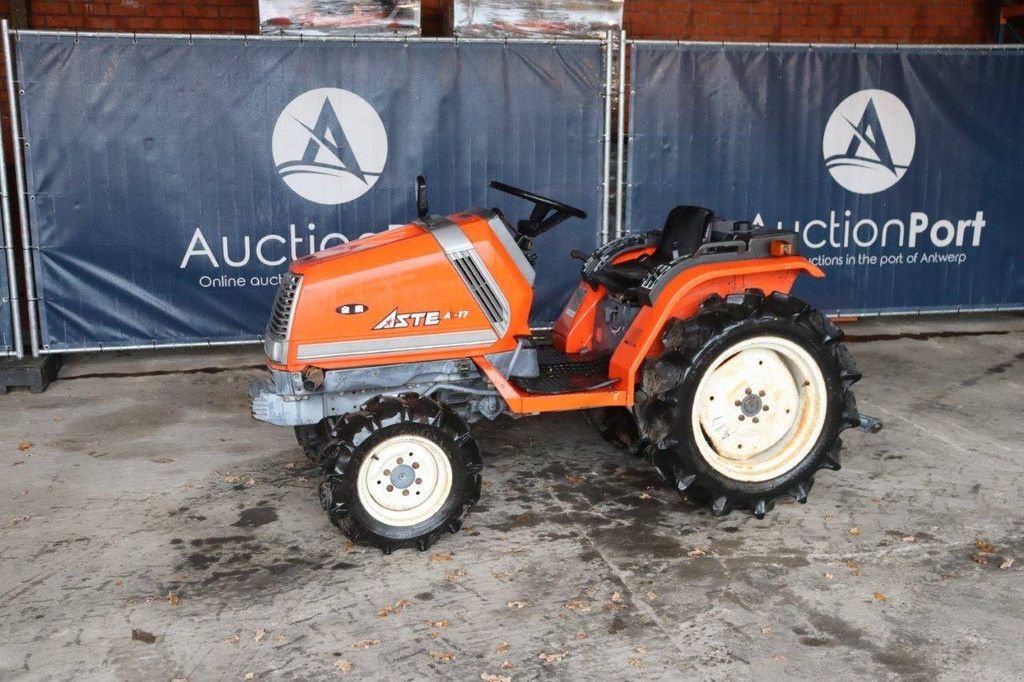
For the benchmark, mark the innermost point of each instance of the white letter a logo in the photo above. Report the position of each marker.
(390, 321)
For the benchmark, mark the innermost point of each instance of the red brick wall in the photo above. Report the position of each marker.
(842, 21)
(839, 21)
(432, 17)
(184, 16)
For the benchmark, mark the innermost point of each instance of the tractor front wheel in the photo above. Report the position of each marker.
(311, 438)
(747, 401)
(399, 473)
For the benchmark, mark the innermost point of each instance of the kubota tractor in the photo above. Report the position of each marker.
(683, 342)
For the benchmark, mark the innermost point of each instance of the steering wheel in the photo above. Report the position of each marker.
(540, 221)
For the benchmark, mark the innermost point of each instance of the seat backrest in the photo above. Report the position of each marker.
(685, 229)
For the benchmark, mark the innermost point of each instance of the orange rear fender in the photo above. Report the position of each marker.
(682, 296)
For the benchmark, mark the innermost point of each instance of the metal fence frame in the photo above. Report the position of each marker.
(618, 95)
(19, 177)
(620, 137)
(605, 230)
(625, 141)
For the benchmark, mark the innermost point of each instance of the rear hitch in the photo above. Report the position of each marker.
(869, 424)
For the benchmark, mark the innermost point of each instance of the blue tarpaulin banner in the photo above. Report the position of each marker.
(901, 168)
(171, 180)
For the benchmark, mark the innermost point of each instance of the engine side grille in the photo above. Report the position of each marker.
(284, 306)
(483, 288)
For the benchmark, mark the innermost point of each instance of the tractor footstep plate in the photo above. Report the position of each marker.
(560, 373)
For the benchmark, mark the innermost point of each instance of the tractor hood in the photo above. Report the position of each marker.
(380, 240)
(442, 287)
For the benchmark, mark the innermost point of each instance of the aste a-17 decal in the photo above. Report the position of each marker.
(429, 318)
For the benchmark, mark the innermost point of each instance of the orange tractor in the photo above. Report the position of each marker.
(683, 343)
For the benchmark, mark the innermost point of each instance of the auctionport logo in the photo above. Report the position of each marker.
(330, 146)
(869, 141)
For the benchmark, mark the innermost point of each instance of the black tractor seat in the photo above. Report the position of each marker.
(686, 228)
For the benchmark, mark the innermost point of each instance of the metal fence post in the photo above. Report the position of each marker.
(620, 142)
(19, 176)
(606, 198)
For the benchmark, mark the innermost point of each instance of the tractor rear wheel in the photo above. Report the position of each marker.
(617, 425)
(399, 473)
(747, 401)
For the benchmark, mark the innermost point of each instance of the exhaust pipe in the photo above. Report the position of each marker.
(312, 379)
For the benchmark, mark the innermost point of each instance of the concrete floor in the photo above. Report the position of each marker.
(135, 496)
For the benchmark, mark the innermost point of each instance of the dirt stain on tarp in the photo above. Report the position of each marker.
(256, 517)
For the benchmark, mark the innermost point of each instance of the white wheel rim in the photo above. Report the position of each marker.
(404, 480)
(734, 431)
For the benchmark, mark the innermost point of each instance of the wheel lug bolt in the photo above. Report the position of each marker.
(756, 420)
(765, 408)
(761, 393)
(748, 391)
(742, 417)
(387, 472)
(738, 403)
(419, 481)
(415, 465)
(405, 492)
(399, 460)
(391, 488)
